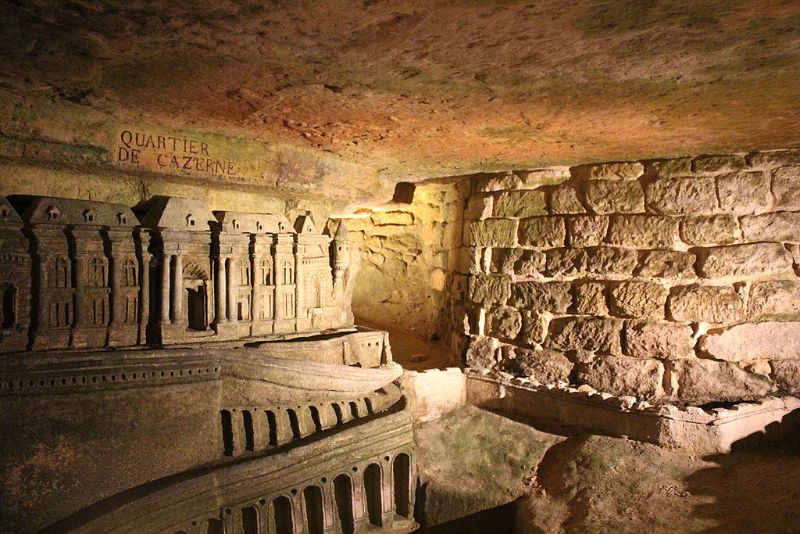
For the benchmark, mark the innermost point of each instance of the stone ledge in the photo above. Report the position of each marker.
(692, 428)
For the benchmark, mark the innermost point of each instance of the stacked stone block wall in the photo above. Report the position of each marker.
(666, 280)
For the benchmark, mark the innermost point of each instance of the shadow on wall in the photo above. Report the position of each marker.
(756, 487)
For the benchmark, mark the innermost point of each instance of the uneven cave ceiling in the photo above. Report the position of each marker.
(414, 89)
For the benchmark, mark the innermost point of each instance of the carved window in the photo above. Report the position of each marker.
(4, 212)
(288, 272)
(131, 273)
(59, 314)
(235, 224)
(244, 308)
(89, 215)
(266, 272)
(122, 218)
(97, 273)
(259, 226)
(289, 304)
(58, 272)
(9, 307)
(99, 311)
(245, 275)
(267, 306)
(190, 220)
(131, 310)
(53, 213)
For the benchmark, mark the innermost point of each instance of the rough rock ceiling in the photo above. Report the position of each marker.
(417, 88)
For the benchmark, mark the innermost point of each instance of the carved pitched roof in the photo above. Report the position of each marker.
(305, 224)
(175, 213)
(76, 212)
(255, 223)
(8, 215)
(341, 231)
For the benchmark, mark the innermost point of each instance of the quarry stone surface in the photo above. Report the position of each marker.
(545, 366)
(534, 327)
(712, 304)
(638, 299)
(542, 232)
(708, 379)
(642, 378)
(774, 299)
(590, 299)
(645, 339)
(784, 187)
(564, 200)
(543, 296)
(492, 232)
(743, 260)
(744, 192)
(770, 340)
(520, 204)
(640, 231)
(781, 226)
(601, 335)
(709, 230)
(667, 264)
(614, 196)
(504, 322)
(682, 195)
(587, 231)
(489, 289)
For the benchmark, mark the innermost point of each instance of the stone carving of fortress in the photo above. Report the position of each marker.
(84, 274)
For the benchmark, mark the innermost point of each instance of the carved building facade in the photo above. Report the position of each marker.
(173, 272)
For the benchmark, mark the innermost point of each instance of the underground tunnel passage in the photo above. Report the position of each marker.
(368, 266)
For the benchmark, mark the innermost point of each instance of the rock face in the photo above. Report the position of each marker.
(545, 366)
(624, 376)
(754, 341)
(709, 304)
(699, 380)
(669, 341)
(652, 295)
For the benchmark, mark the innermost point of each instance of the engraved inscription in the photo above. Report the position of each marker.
(168, 153)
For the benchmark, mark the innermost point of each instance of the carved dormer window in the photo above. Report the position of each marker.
(235, 224)
(4, 212)
(89, 215)
(189, 220)
(259, 226)
(122, 218)
(281, 226)
(53, 213)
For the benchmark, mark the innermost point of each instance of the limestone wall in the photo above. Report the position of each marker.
(409, 252)
(672, 279)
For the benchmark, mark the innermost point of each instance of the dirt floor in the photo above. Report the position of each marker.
(594, 484)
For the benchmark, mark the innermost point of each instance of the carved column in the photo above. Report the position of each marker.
(255, 280)
(177, 291)
(144, 296)
(360, 517)
(233, 290)
(222, 292)
(165, 266)
(299, 305)
(117, 302)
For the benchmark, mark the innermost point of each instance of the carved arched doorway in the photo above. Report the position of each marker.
(195, 297)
